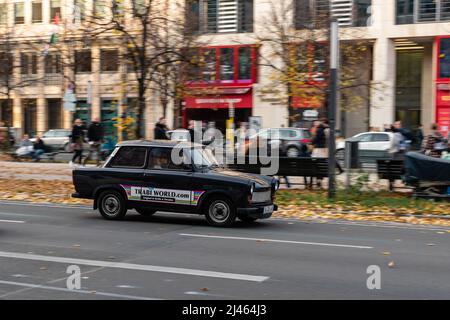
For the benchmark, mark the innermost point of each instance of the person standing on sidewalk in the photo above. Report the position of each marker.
(95, 139)
(161, 129)
(77, 139)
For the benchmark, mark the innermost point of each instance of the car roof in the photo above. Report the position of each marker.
(157, 143)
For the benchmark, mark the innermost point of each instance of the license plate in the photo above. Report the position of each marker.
(268, 209)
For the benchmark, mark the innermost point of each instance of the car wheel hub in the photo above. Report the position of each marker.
(219, 211)
(111, 205)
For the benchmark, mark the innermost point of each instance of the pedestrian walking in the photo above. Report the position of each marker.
(95, 140)
(161, 129)
(435, 143)
(319, 141)
(77, 141)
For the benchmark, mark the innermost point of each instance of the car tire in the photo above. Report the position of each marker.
(66, 147)
(112, 205)
(145, 212)
(292, 152)
(220, 212)
(247, 219)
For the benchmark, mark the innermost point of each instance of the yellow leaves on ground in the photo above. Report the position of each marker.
(39, 191)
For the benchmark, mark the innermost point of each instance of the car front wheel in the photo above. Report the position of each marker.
(145, 212)
(220, 212)
(292, 152)
(112, 205)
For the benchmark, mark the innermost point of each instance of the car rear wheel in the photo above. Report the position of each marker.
(145, 211)
(112, 205)
(292, 152)
(220, 212)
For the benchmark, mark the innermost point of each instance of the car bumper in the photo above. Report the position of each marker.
(257, 212)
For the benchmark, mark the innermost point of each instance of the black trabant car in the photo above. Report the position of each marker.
(151, 176)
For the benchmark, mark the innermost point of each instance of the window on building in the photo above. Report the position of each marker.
(139, 8)
(79, 11)
(426, 10)
(6, 64)
(209, 65)
(53, 63)
(226, 64)
(129, 157)
(363, 12)
(405, 11)
(55, 9)
(99, 8)
(245, 63)
(36, 11)
(245, 17)
(3, 13)
(445, 10)
(83, 61)
(220, 16)
(28, 63)
(19, 13)
(444, 58)
(109, 60)
(311, 13)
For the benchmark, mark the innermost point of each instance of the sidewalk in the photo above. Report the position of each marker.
(62, 172)
(35, 171)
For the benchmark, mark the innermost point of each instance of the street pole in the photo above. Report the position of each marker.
(332, 105)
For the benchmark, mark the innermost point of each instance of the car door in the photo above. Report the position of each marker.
(125, 170)
(49, 139)
(168, 184)
(381, 141)
(365, 141)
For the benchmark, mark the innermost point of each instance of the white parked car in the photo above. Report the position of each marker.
(371, 142)
(180, 135)
(56, 139)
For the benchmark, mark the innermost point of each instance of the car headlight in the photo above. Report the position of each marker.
(252, 188)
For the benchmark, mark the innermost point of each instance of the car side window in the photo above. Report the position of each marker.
(49, 134)
(161, 159)
(129, 157)
(380, 137)
(365, 138)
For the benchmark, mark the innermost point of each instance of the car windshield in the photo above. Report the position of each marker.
(203, 158)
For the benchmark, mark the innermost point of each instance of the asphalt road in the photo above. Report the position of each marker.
(180, 257)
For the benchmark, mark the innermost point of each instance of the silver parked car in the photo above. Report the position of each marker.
(57, 139)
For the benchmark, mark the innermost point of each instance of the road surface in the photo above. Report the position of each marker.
(171, 256)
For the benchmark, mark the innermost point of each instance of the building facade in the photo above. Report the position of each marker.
(405, 70)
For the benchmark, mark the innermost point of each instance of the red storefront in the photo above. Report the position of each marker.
(225, 80)
(309, 98)
(443, 84)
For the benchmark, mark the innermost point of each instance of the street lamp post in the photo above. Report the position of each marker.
(332, 105)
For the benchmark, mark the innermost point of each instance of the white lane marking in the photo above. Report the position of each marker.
(131, 266)
(98, 293)
(12, 221)
(279, 241)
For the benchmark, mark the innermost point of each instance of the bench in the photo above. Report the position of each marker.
(295, 167)
(391, 170)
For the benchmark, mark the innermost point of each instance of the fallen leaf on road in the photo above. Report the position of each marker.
(391, 264)
(76, 246)
(204, 289)
(111, 257)
(431, 244)
(43, 268)
(386, 253)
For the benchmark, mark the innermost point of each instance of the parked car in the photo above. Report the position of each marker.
(57, 139)
(181, 135)
(370, 143)
(143, 175)
(288, 140)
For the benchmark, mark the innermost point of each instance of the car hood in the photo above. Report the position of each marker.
(259, 180)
